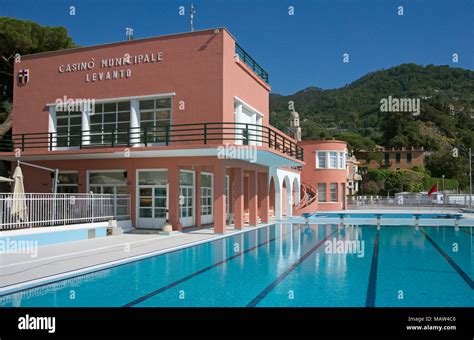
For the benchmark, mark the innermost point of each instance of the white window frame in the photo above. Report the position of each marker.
(57, 136)
(102, 131)
(52, 123)
(208, 218)
(189, 221)
(318, 165)
(330, 166)
(340, 162)
(331, 186)
(325, 192)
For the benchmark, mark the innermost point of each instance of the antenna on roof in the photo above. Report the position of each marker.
(191, 17)
(129, 33)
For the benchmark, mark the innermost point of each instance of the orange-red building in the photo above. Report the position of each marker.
(179, 122)
(392, 158)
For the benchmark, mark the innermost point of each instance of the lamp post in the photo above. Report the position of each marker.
(470, 179)
(444, 194)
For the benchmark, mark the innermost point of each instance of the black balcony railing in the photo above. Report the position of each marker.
(195, 133)
(247, 59)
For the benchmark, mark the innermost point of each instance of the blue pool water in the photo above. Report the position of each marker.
(285, 265)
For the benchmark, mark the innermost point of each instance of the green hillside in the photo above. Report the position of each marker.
(353, 113)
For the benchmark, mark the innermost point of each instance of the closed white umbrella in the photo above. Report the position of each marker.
(4, 179)
(19, 208)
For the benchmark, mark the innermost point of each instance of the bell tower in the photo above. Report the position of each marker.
(294, 129)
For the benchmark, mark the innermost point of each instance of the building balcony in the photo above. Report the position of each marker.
(169, 137)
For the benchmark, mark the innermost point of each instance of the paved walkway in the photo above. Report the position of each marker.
(72, 258)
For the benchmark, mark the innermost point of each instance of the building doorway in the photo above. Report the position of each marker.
(207, 198)
(186, 198)
(152, 199)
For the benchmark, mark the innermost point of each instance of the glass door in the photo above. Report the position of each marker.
(186, 198)
(186, 206)
(207, 198)
(153, 206)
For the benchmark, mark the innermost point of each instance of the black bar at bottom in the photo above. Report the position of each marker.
(290, 323)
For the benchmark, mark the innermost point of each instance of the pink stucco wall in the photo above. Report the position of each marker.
(310, 174)
(188, 61)
(199, 67)
(241, 82)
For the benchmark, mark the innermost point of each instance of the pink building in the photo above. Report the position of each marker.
(180, 123)
(326, 172)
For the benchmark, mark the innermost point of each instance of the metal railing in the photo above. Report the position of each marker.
(250, 62)
(44, 210)
(373, 202)
(309, 193)
(200, 133)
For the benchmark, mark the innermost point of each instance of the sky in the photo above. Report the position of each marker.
(300, 50)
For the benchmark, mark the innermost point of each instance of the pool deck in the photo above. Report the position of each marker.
(63, 260)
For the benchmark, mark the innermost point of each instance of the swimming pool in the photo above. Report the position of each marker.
(285, 265)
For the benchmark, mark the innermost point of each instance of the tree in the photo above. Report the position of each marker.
(413, 181)
(23, 37)
(443, 163)
(371, 188)
(395, 182)
(355, 141)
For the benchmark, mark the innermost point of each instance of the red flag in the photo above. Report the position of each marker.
(433, 189)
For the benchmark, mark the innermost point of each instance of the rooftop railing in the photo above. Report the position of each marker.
(196, 133)
(250, 62)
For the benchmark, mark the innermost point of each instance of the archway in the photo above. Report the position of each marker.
(287, 197)
(272, 193)
(296, 191)
(275, 196)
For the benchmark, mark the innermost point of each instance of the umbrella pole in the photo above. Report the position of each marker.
(56, 175)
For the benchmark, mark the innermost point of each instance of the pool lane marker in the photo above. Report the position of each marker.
(372, 286)
(450, 260)
(199, 272)
(287, 272)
